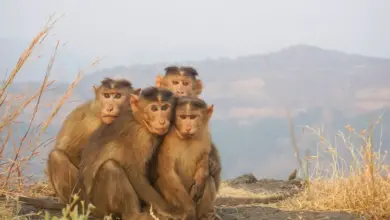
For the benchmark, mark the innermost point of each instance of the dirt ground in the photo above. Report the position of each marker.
(245, 197)
(251, 199)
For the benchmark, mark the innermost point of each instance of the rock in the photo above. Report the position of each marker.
(243, 179)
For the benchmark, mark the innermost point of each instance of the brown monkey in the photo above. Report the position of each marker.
(182, 81)
(114, 165)
(183, 160)
(111, 97)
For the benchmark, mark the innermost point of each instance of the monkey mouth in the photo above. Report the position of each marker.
(160, 130)
(156, 130)
(108, 119)
(187, 135)
(110, 116)
(181, 94)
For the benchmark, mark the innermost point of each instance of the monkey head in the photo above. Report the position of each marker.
(181, 81)
(191, 116)
(113, 98)
(153, 108)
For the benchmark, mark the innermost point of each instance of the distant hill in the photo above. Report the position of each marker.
(251, 93)
(66, 65)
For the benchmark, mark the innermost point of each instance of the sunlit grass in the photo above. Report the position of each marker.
(358, 184)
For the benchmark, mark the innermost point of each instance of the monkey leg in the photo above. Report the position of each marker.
(62, 175)
(112, 193)
(205, 207)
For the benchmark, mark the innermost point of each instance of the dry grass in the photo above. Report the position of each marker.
(13, 181)
(359, 184)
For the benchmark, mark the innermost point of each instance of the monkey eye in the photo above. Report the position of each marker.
(153, 108)
(185, 83)
(118, 96)
(164, 107)
(182, 117)
(106, 95)
(192, 117)
(175, 82)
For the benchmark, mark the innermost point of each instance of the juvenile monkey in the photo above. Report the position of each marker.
(183, 160)
(114, 166)
(111, 97)
(183, 82)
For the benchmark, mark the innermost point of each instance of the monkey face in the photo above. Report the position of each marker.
(187, 125)
(179, 85)
(112, 102)
(190, 120)
(157, 117)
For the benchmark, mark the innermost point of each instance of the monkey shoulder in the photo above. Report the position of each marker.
(171, 145)
(81, 111)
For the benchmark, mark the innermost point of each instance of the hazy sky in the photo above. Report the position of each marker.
(126, 31)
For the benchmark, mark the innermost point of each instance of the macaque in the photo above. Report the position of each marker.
(183, 160)
(114, 167)
(183, 82)
(111, 98)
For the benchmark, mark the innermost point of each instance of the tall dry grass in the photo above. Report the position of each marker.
(12, 106)
(359, 184)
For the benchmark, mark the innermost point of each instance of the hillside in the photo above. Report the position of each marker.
(251, 93)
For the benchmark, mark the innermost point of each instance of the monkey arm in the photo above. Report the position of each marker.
(202, 170)
(146, 192)
(169, 183)
(200, 177)
(173, 191)
(92, 160)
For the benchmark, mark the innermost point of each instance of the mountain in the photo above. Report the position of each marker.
(251, 95)
(66, 64)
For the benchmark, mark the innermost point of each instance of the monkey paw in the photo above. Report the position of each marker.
(197, 191)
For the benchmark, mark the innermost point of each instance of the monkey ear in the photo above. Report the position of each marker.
(210, 111)
(134, 99)
(199, 87)
(137, 91)
(95, 89)
(159, 79)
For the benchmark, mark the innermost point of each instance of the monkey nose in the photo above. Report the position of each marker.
(188, 129)
(162, 122)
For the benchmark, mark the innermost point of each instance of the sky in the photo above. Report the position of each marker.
(125, 32)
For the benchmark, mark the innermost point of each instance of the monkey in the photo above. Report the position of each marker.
(63, 161)
(114, 164)
(183, 160)
(180, 80)
(183, 82)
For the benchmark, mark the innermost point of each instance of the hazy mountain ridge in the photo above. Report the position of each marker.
(251, 93)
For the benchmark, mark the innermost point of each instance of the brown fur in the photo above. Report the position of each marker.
(183, 160)
(189, 74)
(64, 159)
(113, 171)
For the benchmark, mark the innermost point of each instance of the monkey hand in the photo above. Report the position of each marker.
(214, 168)
(196, 191)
